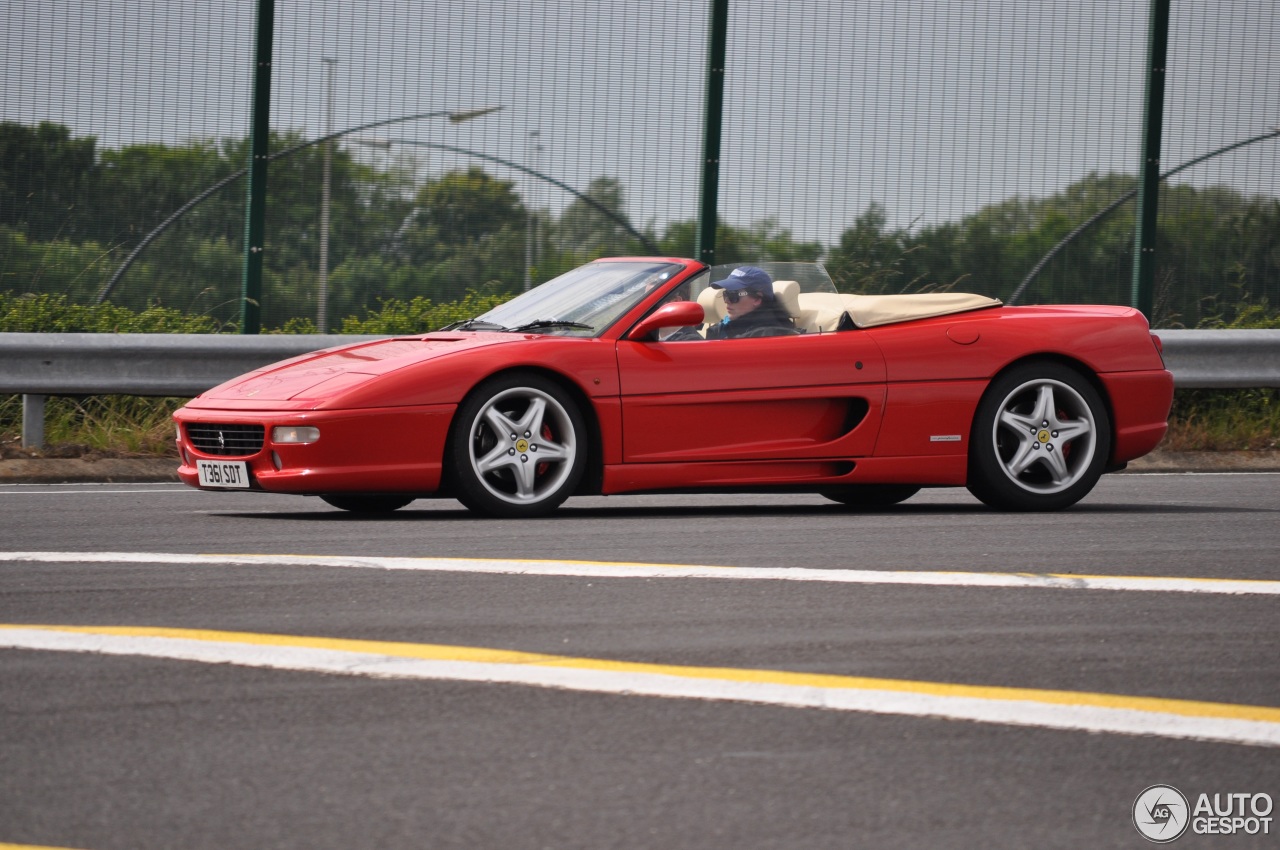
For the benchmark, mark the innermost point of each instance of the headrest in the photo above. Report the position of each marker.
(712, 306)
(788, 294)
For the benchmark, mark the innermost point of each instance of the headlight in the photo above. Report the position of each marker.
(294, 434)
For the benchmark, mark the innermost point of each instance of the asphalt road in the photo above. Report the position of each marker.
(146, 742)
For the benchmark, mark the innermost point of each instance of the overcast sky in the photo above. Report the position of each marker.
(932, 109)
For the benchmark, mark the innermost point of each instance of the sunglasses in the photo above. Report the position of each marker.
(735, 295)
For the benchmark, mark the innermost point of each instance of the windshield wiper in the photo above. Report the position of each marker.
(473, 324)
(545, 324)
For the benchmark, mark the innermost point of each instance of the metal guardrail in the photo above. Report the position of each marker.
(37, 365)
(143, 364)
(1222, 359)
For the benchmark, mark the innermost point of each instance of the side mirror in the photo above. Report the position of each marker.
(678, 314)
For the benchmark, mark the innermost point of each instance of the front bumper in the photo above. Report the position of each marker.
(383, 450)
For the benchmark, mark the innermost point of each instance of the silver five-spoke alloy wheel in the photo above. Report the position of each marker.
(1045, 436)
(522, 454)
(1040, 439)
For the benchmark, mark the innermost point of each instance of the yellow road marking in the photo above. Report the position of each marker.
(818, 682)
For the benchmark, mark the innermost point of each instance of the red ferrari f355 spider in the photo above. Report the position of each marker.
(612, 378)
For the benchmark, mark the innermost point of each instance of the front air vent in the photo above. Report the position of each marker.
(225, 440)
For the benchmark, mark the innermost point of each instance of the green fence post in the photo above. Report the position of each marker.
(259, 139)
(711, 121)
(1144, 249)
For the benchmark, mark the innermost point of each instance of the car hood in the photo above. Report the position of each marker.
(324, 374)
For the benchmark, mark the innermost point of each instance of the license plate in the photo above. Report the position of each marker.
(223, 473)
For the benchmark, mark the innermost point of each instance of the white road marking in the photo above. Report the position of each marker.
(599, 569)
(1067, 710)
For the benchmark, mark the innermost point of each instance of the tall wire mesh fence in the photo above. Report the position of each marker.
(907, 146)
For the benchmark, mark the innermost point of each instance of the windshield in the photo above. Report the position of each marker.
(812, 277)
(583, 302)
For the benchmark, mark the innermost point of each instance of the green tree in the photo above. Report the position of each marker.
(461, 209)
(141, 185)
(47, 180)
(465, 232)
(587, 232)
(77, 270)
(196, 263)
(872, 257)
(762, 241)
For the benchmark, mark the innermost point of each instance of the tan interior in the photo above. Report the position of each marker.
(712, 306)
(820, 312)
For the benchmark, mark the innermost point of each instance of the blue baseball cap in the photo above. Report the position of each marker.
(748, 277)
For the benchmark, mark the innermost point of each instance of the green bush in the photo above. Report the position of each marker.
(420, 315)
(45, 313)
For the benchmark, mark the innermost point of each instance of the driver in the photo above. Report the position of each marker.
(750, 305)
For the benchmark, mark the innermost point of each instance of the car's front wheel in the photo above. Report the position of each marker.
(1040, 439)
(518, 447)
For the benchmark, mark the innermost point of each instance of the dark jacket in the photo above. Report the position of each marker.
(769, 319)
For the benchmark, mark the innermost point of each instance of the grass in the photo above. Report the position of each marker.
(1224, 420)
(129, 426)
(95, 426)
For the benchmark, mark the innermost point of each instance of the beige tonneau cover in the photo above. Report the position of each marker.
(868, 311)
(821, 311)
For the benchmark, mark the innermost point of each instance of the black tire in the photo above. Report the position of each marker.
(518, 447)
(359, 504)
(1040, 440)
(871, 495)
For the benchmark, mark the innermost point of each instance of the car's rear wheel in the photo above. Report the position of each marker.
(871, 495)
(359, 504)
(518, 447)
(1040, 439)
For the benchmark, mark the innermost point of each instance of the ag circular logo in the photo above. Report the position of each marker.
(1161, 814)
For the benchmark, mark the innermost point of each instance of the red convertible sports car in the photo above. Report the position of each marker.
(622, 376)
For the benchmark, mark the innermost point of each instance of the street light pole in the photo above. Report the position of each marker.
(322, 309)
(528, 213)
